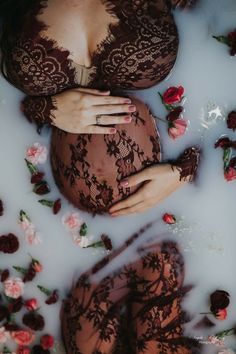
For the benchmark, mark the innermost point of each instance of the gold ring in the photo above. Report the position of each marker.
(98, 117)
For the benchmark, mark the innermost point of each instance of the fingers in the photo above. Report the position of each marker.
(138, 208)
(145, 175)
(94, 129)
(106, 100)
(131, 201)
(107, 120)
(112, 109)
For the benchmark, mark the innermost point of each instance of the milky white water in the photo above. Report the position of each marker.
(207, 207)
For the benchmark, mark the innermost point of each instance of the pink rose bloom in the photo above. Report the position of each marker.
(4, 335)
(23, 337)
(23, 350)
(32, 237)
(82, 241)
(230, 174)
(177, 128)
(26, 224)
(13, 287)
(72, 221)
(36, 154)
(31, 304)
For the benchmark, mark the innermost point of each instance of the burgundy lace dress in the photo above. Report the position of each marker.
(139, 51)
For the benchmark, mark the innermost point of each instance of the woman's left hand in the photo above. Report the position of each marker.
(159, 182)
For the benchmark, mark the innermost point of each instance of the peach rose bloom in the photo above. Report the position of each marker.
(23, 337)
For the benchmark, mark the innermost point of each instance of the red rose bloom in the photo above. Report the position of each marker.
(47, 342)
(41, 188)
(173, 95)
(221, 314)
(225, 143)
(169, 218)
(232, 42)
(53, 298)
(230, 174)
(36, 265)
(31, 304)
(231, 120)
(37, 177)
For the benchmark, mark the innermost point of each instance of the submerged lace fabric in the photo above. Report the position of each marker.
(135, 309)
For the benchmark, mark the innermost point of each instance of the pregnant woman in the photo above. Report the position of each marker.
(74, 59)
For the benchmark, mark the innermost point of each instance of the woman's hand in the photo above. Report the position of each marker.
(80, 110)
(159, 182)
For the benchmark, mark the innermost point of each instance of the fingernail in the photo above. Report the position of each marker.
(124, 183)
(132, 108)
(127, 100)
(128, 119)
(113, 130)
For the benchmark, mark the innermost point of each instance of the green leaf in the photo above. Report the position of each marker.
(32, 168)
(227, 153)
(222, 39)
(44, 290)
(96, 244)
(20, 270)
(24, 216)
(83, 229)
(45, 202)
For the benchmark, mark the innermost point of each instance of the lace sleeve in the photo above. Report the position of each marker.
(187, 164)
(38, 109)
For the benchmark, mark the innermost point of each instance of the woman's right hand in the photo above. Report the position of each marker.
(77, 111)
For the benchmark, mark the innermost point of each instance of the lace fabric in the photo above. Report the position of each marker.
(135, 309)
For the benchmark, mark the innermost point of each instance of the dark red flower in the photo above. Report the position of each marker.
(4, 275)
(47, 341)
(41, 188)
(34, 321)
(10, 327)
(107, 242)
(37, 177)
(219, 300)
(232, 42)
(174, 114)
(57, 206)
(225, 143)
(4, 312)
(53, 298)
(230, 174)
(15, 305)
(9, 243)
(29, 275)
(1, 208)
(173, 95)
(231, 120)
(37, 349)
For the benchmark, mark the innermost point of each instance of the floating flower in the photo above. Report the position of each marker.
(31, 304)
(4, 275)
(174, 114)
(34, 321)
(13, 287)
(36, 265)
(52, 295)
(23, 350)
(37, 154)
(169, 218)
(173, 95)
(23, 337)
(229, 40)
(41, 188)
(231, 120)
(72, 221)
(225, 143)
(230, 174)
(82, 241)
(9, 243)
(105, 242)
(1, 208)
(4, 335)
(54, 205)
(221, 314)
(219, 299)
(177, 128)
(31, 236)
(47, 342)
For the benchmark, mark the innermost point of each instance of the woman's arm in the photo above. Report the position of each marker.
(157, 183)
(79, 111)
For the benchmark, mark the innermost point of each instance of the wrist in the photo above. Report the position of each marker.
(187, 164)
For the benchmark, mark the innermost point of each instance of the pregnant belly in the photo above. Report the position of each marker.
(88, 168)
